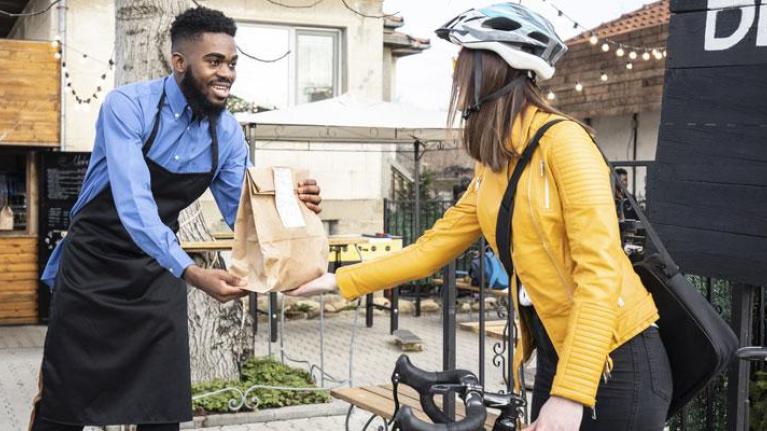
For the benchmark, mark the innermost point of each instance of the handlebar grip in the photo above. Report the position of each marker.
(474, 420)
(422, 381)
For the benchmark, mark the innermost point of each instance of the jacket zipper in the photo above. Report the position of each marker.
(546, 194)
(543, 241)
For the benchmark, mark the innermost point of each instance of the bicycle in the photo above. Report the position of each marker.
(461, 382)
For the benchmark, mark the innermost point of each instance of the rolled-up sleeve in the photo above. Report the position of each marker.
(122, 128)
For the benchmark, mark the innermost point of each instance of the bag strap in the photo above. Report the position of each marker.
(503, 228)
(506, 211)
(670, 268)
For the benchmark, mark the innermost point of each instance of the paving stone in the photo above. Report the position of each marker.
(374, 358)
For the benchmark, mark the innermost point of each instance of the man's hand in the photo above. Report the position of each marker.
(309, 194)
(325, 284)
(219, 284)
(558, 414)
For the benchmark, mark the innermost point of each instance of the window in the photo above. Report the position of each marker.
(13, 193)
(311, 72)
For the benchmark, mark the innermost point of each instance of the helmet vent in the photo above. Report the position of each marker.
(501, 23)
(540, 37)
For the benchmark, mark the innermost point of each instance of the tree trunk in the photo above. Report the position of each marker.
(218, 334)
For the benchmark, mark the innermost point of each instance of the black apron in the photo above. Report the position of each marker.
(117, 349)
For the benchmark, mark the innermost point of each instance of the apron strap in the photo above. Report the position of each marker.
(156, 125)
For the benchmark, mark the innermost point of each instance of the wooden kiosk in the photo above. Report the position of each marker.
(29, 124)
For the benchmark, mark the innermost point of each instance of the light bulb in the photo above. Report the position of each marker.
(593, 39)
(551, 95)
(620, 52)
(633, 55)
(57, 56)
(605, 47)
(603, 77)
(646, 56)
(629, 66)
(578, 87)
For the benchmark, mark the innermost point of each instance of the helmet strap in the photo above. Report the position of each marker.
(478, 101)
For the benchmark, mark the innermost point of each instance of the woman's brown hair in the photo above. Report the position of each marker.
(487, 132)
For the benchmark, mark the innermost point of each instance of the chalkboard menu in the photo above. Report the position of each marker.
(61, 177)
(708, 188)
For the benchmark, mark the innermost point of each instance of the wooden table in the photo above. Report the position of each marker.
(379, 400)
(225, 241)
(466, 285)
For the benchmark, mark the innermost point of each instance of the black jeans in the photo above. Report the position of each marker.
(40, 424)
(635, 398)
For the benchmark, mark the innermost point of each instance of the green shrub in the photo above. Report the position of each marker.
(758, 414)
(258, 371)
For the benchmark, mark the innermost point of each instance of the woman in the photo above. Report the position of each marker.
(584, 308)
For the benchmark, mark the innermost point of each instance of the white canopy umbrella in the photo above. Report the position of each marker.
(348, 118)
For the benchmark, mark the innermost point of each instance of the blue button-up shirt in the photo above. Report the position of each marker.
(181, 145)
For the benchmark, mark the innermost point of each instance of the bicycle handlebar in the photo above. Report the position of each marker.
(424, 382)
(473, 421)
(753, 353)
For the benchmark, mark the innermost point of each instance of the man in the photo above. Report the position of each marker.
(116, 350)
(622, 204)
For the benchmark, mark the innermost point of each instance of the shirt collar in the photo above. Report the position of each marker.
(175, 97)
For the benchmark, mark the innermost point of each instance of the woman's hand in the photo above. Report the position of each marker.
(558, 414)
(309, 193)
(324, 284)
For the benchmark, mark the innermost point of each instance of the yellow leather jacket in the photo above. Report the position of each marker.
(566, 251)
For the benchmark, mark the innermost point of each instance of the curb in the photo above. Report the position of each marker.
(336, 408)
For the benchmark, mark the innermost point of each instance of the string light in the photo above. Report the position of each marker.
(593, 39)
(646, 56)
(82, 101)
(605, 47)
(603, 77)
(633, 55)
(620, 52)
(578, 87)
(629, 66)
(657, 54)
(551, 95)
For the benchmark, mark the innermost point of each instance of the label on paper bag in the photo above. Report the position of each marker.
(285, 199)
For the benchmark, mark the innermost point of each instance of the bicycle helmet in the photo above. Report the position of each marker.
(523, 38)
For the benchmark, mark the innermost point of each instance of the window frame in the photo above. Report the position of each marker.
(293, 32)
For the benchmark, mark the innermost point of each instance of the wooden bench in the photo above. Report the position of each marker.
(379, 400)
(493, 328)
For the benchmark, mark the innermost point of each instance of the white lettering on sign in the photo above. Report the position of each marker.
(748, 12)
(761, 29)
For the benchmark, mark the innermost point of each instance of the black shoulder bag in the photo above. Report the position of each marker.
(699, 343)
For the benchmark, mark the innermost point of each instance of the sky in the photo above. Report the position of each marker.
(424, 79)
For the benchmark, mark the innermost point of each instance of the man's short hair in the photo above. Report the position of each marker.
(190, 24)
(621, 171)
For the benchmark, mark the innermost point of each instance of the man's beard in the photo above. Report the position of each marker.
(200, 105)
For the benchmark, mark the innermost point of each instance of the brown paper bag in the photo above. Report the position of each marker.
(279, 244)
(6, 218)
